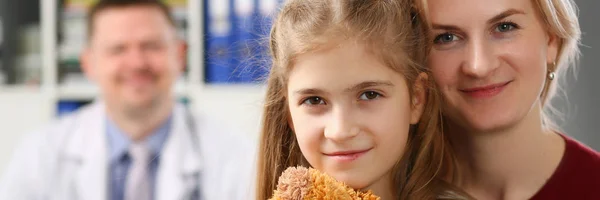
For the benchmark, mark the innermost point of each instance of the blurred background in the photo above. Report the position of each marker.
(40, 78)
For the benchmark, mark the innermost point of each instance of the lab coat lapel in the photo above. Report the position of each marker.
(89, 148)
(180, 164)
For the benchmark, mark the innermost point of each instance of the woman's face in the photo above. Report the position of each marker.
(489, 59)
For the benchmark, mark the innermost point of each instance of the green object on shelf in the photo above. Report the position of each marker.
(89, 3)
(70, 64)
(184, 101)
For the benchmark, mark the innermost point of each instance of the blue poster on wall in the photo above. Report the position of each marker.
(218, 38)
(237, 40)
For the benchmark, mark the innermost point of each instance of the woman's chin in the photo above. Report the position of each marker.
(492, 124)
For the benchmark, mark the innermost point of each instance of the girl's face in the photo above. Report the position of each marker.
(489, 59)
(351, 114)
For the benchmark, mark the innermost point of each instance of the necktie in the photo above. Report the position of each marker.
(137, 185)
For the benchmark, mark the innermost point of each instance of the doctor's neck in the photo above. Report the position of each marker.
(139, 121)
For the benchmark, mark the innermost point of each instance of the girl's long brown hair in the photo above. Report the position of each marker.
(388, 30)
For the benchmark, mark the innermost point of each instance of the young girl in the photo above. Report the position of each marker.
(497, 63)
(346, 96)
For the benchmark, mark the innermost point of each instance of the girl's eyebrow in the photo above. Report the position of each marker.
(357, 87)
(367, 84)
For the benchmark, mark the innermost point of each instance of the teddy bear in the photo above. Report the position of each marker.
(301, 183)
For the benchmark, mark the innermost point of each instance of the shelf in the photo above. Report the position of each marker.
(19, 89)
(88, 92)
(233, 96)
(229, 88)
(79, 92)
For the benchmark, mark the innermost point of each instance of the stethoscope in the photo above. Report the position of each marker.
(195, 190)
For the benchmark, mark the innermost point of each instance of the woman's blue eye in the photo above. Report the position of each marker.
(505, 27)
(445, 38)
(370, 95)
(314, 101)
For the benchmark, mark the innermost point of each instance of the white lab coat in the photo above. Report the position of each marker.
(69, 161)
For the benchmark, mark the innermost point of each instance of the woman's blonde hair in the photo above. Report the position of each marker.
(560, 20)
(385, 28)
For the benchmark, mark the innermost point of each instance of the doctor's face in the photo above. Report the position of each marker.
(350, 114)
(134, 56)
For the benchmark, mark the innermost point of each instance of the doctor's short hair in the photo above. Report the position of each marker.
(103, 5)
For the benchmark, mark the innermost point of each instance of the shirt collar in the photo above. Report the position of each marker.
(119, 141)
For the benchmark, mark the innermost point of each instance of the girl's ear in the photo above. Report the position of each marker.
(419, 97)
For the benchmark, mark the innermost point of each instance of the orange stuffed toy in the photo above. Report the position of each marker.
(300, 183)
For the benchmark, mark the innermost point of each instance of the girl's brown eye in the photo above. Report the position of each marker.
(314, 101)
(369, 95)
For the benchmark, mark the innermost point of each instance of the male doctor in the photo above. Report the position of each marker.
(136, 143)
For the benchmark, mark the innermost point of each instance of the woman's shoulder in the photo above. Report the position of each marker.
(580, 162)
(577, 176)
(581, 155)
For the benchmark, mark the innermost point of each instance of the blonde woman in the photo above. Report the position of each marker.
(496, 64)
